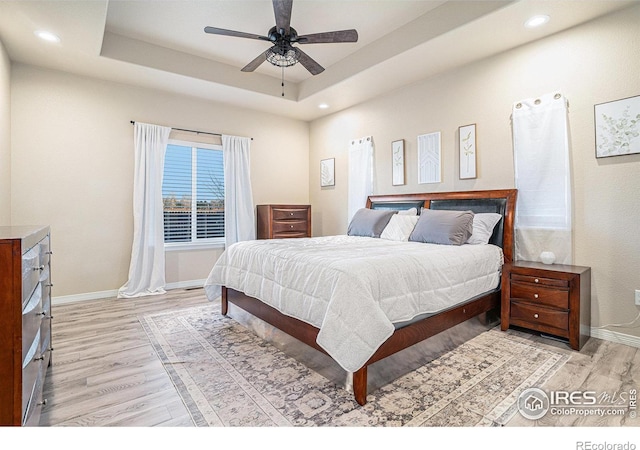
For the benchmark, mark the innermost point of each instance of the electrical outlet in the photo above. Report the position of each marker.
(638, 297)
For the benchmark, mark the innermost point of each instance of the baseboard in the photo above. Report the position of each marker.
(88, 296)
(613, 336)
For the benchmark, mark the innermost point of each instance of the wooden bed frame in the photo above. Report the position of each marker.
(418, 331)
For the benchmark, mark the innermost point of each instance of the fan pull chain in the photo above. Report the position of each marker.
(283, 81)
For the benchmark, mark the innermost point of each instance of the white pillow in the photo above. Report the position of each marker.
(399, 227)
(408, 212)
(483, 225)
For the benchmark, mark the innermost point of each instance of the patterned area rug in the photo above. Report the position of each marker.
(228, 376)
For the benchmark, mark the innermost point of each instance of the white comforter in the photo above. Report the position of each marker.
(355, 288)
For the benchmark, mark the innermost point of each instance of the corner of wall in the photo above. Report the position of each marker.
(5, 136)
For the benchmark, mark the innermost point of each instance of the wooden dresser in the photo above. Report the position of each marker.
(284, 221)
(25, 322)
(548, 298)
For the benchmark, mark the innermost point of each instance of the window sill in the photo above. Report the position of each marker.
(192, 246)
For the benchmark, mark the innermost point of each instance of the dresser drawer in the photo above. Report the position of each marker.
(30, 272)
(33, 407)
(31, 367)
(45, 250)
(540, 280)
(31, 320)
(289, 214)
(544, 295)
(534, 316)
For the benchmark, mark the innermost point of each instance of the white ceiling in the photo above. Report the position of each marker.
(162, 44)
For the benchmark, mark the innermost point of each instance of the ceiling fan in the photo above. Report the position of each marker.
(282, 53)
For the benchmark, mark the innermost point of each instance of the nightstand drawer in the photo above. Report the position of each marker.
(558, 298)
(535, 316)
(289, 214)
(290, 226)
(540, 280)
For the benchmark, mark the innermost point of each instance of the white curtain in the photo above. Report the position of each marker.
(239, 215)
(543, 179)
(360, 173)
(146, 270)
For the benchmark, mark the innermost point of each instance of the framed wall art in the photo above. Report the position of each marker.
(429, 162)
(397, 161)
(328, 172)
(617, 127)
(468, 149)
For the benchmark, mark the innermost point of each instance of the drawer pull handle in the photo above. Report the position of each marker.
(49, 284)
(39, 358)
(536, 280)
(49, 252)
(43, 313)
(43, 402)
(39, 268)
(535, 316)
(291, 226)
(535, 295)
(292, 214)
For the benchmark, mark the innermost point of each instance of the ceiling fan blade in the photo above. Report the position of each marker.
(282, 11)
(313, 67)
(223, 32)
(253, 65)
(329, 37)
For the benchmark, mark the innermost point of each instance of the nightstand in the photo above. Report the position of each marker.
(283, 221)
(549, 298)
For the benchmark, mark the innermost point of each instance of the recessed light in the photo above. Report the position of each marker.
(47, 36)
(323, 106)
(536, 21)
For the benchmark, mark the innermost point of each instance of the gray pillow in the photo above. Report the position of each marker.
(439, 226)
(369, 222)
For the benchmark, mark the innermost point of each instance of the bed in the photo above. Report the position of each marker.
(361, 299)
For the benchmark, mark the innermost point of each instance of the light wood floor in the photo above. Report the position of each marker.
(105, 372)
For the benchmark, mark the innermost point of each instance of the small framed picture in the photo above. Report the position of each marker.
(328, 172)
(468, 151)
(617, 126)
(397, 161)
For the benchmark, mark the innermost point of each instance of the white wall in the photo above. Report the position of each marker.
(72, 168)
(589, 64)
(5, 137)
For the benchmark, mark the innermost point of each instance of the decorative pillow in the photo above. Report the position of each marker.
(399, 227)
(440, 226)
(408, 212)
(483, 225)
(369, 222)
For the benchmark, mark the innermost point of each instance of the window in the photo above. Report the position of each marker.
(193, 194)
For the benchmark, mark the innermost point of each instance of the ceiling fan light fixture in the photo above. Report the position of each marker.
(284, 58)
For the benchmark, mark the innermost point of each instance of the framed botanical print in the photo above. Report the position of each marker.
(397, 162)
(617, 126)
(328, 172)
(468, 150)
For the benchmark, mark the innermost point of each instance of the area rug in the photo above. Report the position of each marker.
(228, 376)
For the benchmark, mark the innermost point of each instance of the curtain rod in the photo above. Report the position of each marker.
(191, 131)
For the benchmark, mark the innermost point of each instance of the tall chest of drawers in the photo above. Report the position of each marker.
(284, 221)
(25, 322)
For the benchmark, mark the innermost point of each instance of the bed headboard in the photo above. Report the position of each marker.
(501, 201)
